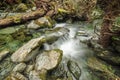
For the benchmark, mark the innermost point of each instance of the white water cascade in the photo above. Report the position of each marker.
(73, 48)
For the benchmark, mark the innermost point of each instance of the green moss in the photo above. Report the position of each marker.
(60, 10)
(17, 19)
(22, 7)
(58, 50)
(43, 74)
(117, 20)
(116, 38)
(14, 45)
(116, 25)
(102, 69)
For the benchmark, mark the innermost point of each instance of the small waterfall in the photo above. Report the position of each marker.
(72, 48)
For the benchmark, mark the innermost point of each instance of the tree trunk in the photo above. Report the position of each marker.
(21, 18)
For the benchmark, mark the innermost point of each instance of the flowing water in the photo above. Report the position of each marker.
(74, 48)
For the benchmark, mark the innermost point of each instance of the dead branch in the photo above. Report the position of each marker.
(17, 19)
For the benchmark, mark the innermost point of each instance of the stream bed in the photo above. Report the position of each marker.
(73, 47)
(64, 52)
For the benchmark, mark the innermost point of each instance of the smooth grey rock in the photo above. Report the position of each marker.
(27, 51)
(20, 67)
(3, 54)
(74, 69)
(48, 59)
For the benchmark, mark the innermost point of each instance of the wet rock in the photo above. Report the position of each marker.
(48, 59)
(74, 69)
(20, 67)
(44, 22)
(6, 67)
(3, 54)
(57, 30)
(54, 34)
(82, 33)
(16, 76)
(101, 69)
(60, 73)
(38, 75)
(27, 51)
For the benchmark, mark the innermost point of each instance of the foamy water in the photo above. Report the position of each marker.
(73, 49)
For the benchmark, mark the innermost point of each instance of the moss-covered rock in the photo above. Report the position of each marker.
(101, 69)
(116, 43)
(6, 67)
(60, 73)
(74, 69)
(112, 58)
(44, 22)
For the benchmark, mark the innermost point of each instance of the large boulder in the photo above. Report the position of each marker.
(48, 59)
(27, 51)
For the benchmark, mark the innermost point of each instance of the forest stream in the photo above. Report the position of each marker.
(73, 49)
(59, 39)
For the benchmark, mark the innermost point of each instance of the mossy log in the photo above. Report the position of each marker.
(17, 19)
